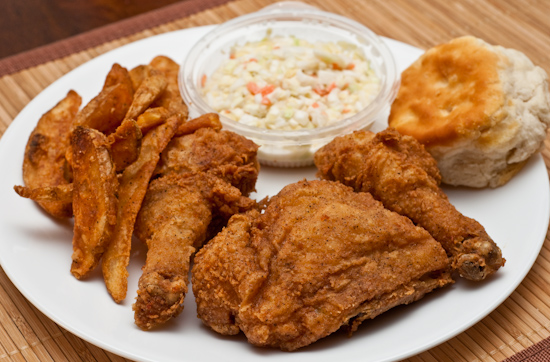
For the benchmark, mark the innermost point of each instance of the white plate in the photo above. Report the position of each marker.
(35, 251)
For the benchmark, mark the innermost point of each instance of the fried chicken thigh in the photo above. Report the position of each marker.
(228, 155)
(398, 171)
(320, 257)
(197, 187)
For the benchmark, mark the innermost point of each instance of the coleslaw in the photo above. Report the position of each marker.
(287, 83)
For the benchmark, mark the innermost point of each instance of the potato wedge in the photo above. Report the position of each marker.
(94, 198)
(170, 98)
(125, 144)
(208, 120)
(44, 161)
(133, 186)
(138, 74)
(61, 193)
(152, 117)
(148, 91)
(106, 111)
(118, 74)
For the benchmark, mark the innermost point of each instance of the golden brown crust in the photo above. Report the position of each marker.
(133, 186)
(44, 164)
(231, 156)
(174, 221)
(405, 294)
(399, 172)
(451, 92)
(305, 267)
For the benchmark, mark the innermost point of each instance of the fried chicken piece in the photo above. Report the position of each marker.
(133, 184)
(174, 220)
(399, 172)
(228, 155)
(320, 257)
(205, 177)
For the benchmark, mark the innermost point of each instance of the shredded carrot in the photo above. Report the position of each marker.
(336, 66)
(253, 88)
(324, 92)
(350, 66)
(267, 89)
(265, 101)
(315, 105)
(203, 80)
(321, 92)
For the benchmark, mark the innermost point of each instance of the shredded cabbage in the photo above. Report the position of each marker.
(286, 83)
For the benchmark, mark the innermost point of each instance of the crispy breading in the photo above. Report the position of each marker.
(94, 198)
(185, 207)
(132, 189)
(399, 172)
(44, 164)
(174, 221)
(231, 156)
(321, 256)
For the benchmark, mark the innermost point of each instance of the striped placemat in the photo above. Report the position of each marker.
(517, 325)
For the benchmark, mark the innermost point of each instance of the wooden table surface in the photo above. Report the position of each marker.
(32, 23)
(520, 322)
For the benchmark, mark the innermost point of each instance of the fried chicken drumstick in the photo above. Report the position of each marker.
(320, 257)
(174, 221)
(397, 170)
(205, 176)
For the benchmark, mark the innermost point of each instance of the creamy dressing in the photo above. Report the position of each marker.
(286, 83)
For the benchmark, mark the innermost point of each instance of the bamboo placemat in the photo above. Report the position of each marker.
(519, 323)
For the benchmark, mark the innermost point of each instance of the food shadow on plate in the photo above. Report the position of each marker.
(373, 326)
(471, 286)
(61, 230)
(341, 337)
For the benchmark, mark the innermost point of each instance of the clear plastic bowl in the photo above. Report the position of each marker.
(289, 148)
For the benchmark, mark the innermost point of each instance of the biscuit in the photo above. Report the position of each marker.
(480, 110)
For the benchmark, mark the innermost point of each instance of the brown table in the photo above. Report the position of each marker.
(32, 23)
(519, 323)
